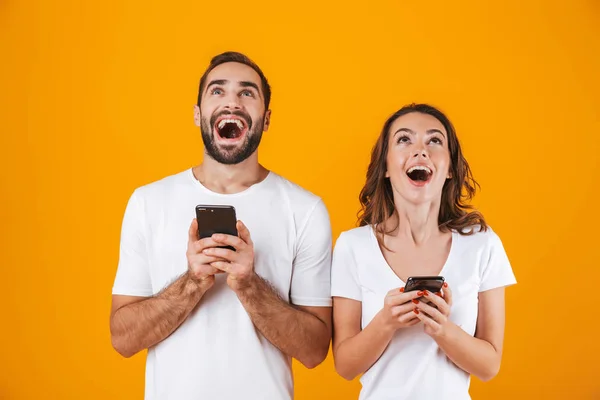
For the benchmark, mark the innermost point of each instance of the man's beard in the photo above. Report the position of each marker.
(231, 154)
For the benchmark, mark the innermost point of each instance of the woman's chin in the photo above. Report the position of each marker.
(420, 196)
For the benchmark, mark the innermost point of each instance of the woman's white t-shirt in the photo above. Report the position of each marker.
(413, 366)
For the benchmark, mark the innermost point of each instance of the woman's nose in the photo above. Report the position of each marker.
(421, 152)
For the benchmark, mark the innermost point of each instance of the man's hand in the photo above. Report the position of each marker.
(297, 331)
(199, 264)
(238, 264)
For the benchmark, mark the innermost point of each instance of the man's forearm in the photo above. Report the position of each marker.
(296, 333)
(142, 324)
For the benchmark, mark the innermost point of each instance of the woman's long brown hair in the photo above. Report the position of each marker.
(377, 199)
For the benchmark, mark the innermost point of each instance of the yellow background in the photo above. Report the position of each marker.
(96, 98)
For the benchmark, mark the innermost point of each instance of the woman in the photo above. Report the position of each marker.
(414, 222)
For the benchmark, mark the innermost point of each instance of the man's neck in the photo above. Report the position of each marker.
(229, 179)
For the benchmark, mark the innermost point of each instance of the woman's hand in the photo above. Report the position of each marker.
(397, 311)
(435, 311)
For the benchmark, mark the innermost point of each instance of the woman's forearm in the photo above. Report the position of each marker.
(357, 354)
(475, 356)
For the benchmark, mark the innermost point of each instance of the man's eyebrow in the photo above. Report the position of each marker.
(249, 84)
(222, 82)
(217, 82)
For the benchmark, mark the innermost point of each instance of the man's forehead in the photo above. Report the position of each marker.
(234, 72)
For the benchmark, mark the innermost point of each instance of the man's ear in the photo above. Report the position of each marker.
(267, 121)
(197, 116)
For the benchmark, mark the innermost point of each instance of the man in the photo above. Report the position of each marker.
(223, 324)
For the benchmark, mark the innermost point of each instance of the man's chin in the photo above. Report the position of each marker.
(230, 152)
(222, 156)
(226, 149)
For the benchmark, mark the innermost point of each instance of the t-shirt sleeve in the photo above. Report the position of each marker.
(311, 274)
(133, 276)
(344, 271)
(496, 271)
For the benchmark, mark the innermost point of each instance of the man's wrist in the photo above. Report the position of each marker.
(193, 286)
(247, 284)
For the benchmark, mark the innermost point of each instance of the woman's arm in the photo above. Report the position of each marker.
(356, 350)
(479, 355)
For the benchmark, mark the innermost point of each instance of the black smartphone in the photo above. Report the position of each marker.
(216, 219)
(431, 283)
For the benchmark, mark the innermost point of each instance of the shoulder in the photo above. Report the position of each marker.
(301, 202)
(163, 185)
(475, 236)
(292, 190)
(354, 238)
(160, 192)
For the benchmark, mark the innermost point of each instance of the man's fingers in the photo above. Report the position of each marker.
(205, 243)
(225, 254)
(202, 259)
(222, 266)
(203, 270)
(229, 240)
(244, 233)
(193, 232)
(237, 242)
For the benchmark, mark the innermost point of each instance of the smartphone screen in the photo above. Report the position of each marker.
(431, 283)
(216, 219)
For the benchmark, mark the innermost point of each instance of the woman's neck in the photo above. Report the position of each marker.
(417, 223)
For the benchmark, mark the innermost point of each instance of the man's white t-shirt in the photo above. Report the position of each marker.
(413, 366)
(217, 353)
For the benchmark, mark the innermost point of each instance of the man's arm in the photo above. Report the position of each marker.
(137, 323)
(298, 331)
(301, 332)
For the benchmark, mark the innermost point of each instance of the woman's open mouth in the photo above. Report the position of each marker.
(419, 175)
(230, 127)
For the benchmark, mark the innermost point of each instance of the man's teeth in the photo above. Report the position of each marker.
(230, 121)
(419, 167)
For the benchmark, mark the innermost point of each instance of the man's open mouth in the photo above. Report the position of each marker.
(419, 173)
(230, 127)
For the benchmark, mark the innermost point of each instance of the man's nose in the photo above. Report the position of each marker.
(233, 102)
